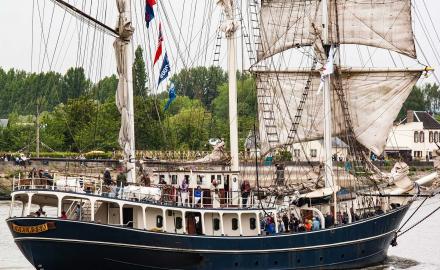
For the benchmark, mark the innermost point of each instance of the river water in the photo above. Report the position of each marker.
(418, 249)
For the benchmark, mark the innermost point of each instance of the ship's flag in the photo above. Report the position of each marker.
(164, 70)
(171, 96)
(149, 11)
(159, 45)
(327, 70)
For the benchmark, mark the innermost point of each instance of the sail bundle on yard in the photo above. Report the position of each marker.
(379, 23)
(374, 98)
(123, 96)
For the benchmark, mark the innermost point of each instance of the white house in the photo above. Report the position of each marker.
(314, 150)
(4, 123)
(415, 137)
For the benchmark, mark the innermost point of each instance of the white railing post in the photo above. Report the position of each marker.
(13, 183)
(201, 200)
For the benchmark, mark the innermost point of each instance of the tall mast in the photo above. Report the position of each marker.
(37, 123)
(131, 166)
(328, 163)
(229, 27)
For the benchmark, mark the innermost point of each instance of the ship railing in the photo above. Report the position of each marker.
(227, 199)
(69, 184)
(159, 194)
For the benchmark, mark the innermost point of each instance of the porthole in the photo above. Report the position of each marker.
(236, 264)
(234, 224)
(321, 259)
(159, 221)
(252, 223)
(298, 261)
(275, 262)
(178, 223)
(256, 263)
(216, 222)
(342, 256)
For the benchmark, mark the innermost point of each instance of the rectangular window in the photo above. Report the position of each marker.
(173, 179)
(162, 179)
(200, 179)
(219, 179)
(296, 153)
(313, 153)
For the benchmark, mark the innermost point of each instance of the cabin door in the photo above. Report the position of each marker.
(127, 217)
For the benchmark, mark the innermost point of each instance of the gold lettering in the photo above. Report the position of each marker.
(31, 229)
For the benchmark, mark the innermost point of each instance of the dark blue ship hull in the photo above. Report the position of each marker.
(81, 245)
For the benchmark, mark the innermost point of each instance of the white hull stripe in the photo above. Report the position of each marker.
(19, 239)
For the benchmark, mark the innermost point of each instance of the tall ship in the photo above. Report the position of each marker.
(211, 213)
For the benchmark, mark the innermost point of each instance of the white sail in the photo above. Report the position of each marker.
(379, 23)
(374, 98)
(125, 30)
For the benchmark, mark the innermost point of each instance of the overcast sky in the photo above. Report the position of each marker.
(22, 45)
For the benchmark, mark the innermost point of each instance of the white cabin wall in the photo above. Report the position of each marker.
(245, 223)
(151, 215)
(138, 218)
(171, 227)
(209, 224)
(114, 215)
(101, 213)
(227, 222)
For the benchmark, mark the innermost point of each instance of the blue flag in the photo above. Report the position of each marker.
(149, 11)
(164, 70)
(171, 97)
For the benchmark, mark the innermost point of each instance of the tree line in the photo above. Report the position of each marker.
(78, 115)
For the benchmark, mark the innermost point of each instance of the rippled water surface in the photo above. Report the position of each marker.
(418, 249)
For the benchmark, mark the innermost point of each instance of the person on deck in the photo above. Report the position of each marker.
(184, 192)
(316, 225)
(63, 215)
(308, 225)
(215, 196)
(295, 224)
(245, 191)
(197, 196)
(107, 177)
(78, 212)
(285, 219)
(329, 220)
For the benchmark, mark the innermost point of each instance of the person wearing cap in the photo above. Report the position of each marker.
(107, 177)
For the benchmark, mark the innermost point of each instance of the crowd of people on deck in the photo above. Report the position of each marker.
(291, 224)
(19, 160)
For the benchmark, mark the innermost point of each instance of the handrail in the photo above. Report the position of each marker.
(165, 195)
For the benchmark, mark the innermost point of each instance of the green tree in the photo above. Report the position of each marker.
(199, 83)
(74, 84)
(106, 88)
(188, 130)
(139, 74)
(246, 106)
(415, 101)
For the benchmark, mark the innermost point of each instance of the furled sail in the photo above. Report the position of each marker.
(379, 23)
(120, 45)
(374, 98)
